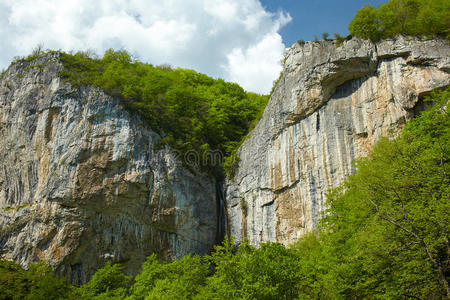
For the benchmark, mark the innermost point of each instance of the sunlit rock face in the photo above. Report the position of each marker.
(330, 106)
(82, 181)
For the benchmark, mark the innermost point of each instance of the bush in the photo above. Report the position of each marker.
(339, 39)
(267, 272)
(386, 231)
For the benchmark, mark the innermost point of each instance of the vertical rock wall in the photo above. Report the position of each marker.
(331, 104)
(82, 181)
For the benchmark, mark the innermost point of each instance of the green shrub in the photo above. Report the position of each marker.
(267, 272)
(339, 39)
(385, 233)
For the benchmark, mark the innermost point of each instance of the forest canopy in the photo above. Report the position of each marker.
(427, 18)
(191, 111)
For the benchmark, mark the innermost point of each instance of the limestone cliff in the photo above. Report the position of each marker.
(329, 107)
(81, 181)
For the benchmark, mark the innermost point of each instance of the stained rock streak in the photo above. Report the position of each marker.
(82, 183)
(329, 107)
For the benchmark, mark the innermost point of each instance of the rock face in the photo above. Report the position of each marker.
(82, 181)
(331, 104)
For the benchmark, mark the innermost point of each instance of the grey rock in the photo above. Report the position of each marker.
(82, 181)
(330, 106)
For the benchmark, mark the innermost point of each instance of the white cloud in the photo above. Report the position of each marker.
(256, 64)
(234, 39)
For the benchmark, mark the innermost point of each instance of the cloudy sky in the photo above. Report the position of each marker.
(238, 40)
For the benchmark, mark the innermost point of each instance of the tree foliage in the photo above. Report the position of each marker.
(107, 283)
(410, 17)
(267, 272)
(193, 112)
(37, 283)
(181, 279)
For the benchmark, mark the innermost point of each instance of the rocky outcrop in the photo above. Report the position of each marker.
(331, 104)
(82, 181)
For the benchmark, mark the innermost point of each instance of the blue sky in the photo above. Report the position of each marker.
(315, 17)
(241, 41)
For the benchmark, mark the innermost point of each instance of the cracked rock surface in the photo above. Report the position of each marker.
(330, 106)
(82, 183)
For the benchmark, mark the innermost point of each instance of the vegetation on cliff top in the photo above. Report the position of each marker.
(193, 112)
(384, 236)
(427, 18)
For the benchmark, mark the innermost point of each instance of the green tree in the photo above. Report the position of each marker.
(189, 109)
(364, 23)
(181, 279)
(313, 267)
(108, 282)
(13, 281)
(267, 272)
(399, 16)
(44, 284)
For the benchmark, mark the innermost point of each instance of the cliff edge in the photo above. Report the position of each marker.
(329, 107)
(82, 181)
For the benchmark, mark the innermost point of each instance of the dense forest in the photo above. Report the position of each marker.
(191, 111)
(384, 236)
